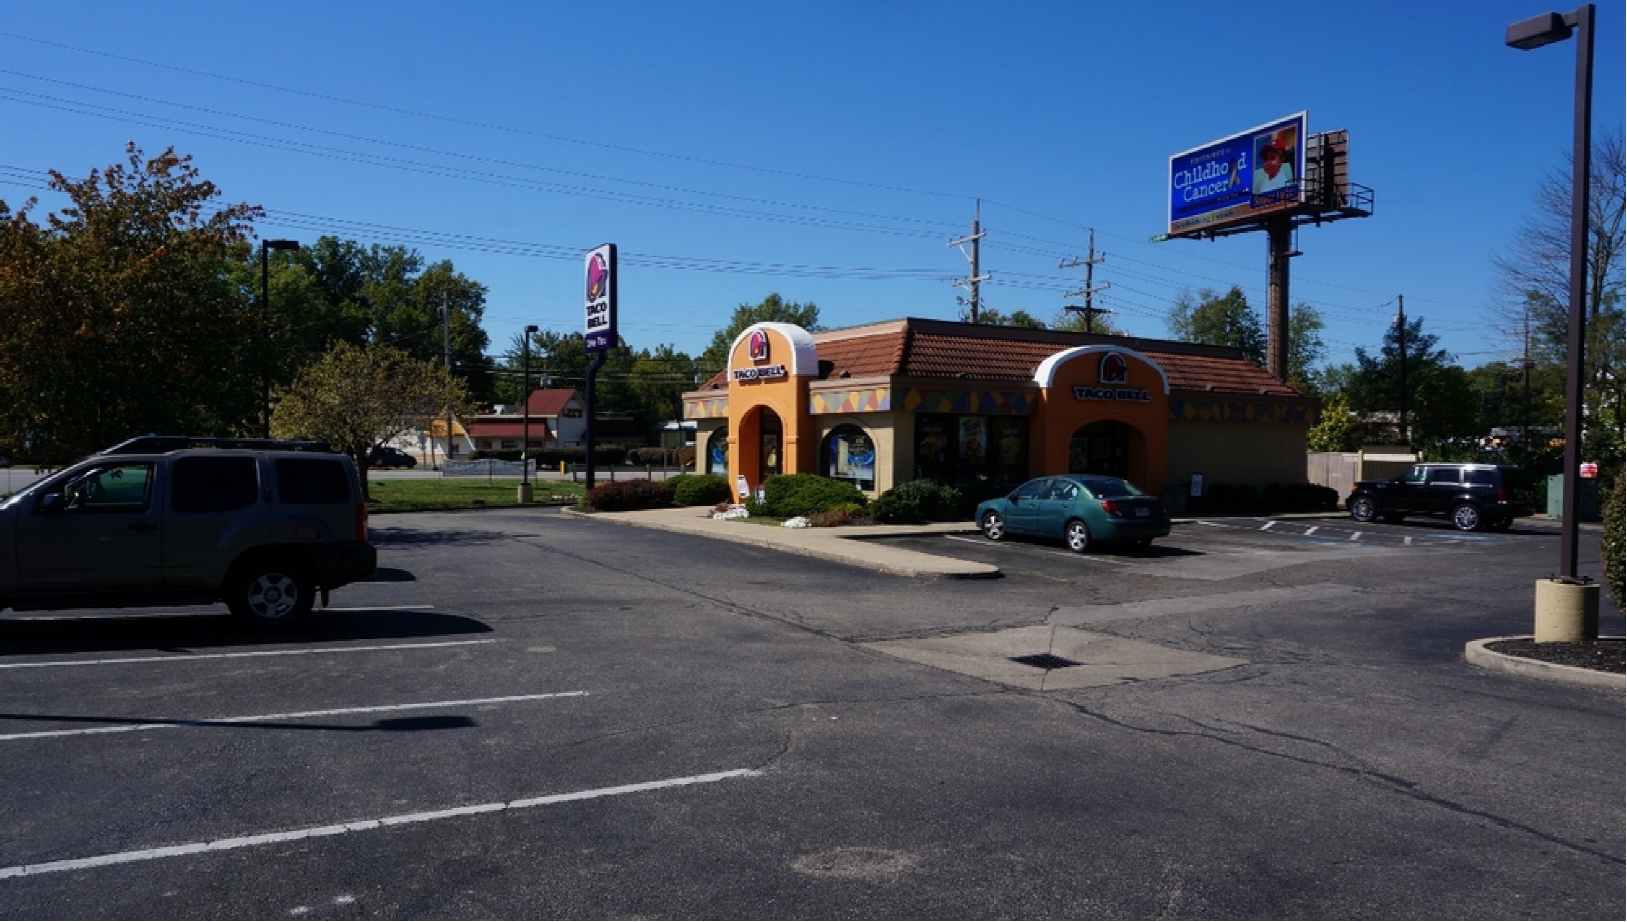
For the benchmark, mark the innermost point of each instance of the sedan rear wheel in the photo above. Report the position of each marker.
(1078, 536)
(994, 526)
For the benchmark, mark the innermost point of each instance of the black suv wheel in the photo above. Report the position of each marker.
(1363, 509)
(271, 592)
(1467, 517)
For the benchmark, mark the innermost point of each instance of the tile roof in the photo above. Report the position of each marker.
(918, 348)
(549, 401)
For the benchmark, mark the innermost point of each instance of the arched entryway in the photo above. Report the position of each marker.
(1101, 448)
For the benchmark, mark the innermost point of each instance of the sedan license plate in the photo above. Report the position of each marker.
(1143, 512)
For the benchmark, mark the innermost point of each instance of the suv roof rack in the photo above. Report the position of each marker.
(159, 444)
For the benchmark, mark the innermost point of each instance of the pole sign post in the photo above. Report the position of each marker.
(1237, 180)
(600, 331)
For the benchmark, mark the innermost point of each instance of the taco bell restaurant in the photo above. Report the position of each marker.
(988, 407)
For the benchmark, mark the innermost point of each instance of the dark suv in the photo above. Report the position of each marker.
(1474, 496)
(263, 525)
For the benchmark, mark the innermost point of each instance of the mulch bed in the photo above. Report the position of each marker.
(1601, 655)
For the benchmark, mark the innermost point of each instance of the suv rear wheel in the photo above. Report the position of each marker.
(271, 591)
(1467, 517)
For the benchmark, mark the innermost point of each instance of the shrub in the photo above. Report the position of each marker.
(1230, 497)
(920, 501)
(627, 495)
(790, 495)
(653, 457)
(700, 489)
(845, 514)
(1298, 497)
(1612, 541)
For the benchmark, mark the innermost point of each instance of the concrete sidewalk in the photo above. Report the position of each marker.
(843, 545)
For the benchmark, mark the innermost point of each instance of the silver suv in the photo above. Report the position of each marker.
(263, 525)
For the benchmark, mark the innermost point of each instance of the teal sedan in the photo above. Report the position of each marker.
(1084, 510)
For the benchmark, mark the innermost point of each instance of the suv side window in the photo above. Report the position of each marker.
(206, 484)
(1443, 475)
(1482, 477)
(311, 480)
(1414, 474)
(116, 488)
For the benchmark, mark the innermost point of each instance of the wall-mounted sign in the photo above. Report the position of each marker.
(1238, 179)
(1133, 394)
(571, 413)
(600, 330)
(757, 346)
(760, 372)
(1113, 369)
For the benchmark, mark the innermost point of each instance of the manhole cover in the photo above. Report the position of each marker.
(1045, 661)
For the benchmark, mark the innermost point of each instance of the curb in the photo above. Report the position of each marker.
(1477, 653)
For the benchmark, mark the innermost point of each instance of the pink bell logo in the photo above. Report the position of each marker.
(1114, 369)
(757, 346)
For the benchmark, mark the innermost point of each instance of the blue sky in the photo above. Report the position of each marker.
(825, 151)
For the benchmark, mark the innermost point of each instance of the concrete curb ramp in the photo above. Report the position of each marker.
(843, 545)
(1476, 652)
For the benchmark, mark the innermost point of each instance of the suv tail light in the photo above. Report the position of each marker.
(361, 521)
(1111, 508)
(1503, 495)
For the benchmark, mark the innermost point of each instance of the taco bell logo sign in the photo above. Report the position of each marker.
(1114, 369)
(757, 346)
(600, 328)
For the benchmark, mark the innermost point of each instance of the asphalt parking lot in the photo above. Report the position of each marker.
(537, 716)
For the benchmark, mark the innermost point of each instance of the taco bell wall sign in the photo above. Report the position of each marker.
(600, 330)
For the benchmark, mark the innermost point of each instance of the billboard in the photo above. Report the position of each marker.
(600, 330)
(1238, 179)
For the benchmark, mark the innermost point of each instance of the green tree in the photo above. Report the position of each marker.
(356, 398)
(1337, 428)
(1218, 320)
(657, 381)
(121, 316)
(1305, 347)
(772, 309)
(1439, 400)
(993, 318)
(1076, 322)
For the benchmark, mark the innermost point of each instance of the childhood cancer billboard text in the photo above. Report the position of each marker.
(1238, 179)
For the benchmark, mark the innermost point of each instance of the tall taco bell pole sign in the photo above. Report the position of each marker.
(599, 332)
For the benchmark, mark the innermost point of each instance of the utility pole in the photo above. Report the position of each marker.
(1401, 347)
(1089, 311)
(446, 340)
(971, 282)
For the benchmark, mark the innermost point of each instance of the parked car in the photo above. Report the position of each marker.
(387, 457)
(1473, 496)
(1083, 510)
(263, 525)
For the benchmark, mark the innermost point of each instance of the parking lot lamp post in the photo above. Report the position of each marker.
(266, 246)
(525, 419)
(1526, 35)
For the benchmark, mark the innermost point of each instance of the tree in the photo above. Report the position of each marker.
(772, 309)
(1305, 347)
(993, 318)
(356, 398)
(1535, 284)
(1438, 399)
(1338, 429)
(1219, 320)
(657, 381)
(121, 315)
(1076, 322)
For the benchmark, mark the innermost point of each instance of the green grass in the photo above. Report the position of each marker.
(462, 493)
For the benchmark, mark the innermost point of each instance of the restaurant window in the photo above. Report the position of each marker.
(980, 452)
(1100, 448)
(850, 455)
(717, 452)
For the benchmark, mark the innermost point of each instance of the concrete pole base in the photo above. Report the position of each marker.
(526, 492)
(1567, 611)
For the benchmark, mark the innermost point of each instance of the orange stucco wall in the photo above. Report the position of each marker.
(787, 396)
(1061, 412)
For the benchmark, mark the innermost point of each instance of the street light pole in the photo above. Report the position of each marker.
(1526, 35)
(525, 417)
(266, 246)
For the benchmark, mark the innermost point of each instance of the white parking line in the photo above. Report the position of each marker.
(195, 656)
(1267, 526)
(1312, 530)
(268, 718)
(339, 829)
(1355, 535)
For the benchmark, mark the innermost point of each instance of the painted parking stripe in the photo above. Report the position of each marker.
(1070, 555)
(273, 718)
(182, 657)
(1312, 530)
(339, 829)
(1267, 526)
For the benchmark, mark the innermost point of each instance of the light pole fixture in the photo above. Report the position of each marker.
(1526, 35)
(525, 410)
(266, 246)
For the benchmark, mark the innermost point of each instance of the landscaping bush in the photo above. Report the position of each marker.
(845, 514)
(627, 495)
(653, 457)
(1612, 541)
(700, 489)
(789, 495)
(919, 501)
(1298, 497)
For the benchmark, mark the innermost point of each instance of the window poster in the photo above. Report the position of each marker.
(974, 440)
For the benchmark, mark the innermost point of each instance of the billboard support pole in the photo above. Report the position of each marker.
(1279, 234)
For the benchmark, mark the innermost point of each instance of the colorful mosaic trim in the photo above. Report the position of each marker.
(858, 400)
(982, 403)
(710, 408)
(1237, 411)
